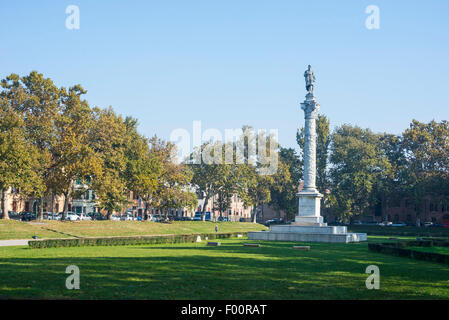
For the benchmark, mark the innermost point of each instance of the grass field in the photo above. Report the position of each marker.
(57, 229)
(229, 271)
(442, 250)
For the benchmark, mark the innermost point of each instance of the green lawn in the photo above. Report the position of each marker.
(442, 250)
(57, 229)
(230, 271)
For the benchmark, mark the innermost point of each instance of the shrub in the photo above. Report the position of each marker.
(400, 249)
(123, 241)
(401, 231)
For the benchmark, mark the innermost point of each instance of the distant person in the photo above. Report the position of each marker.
(216, 228)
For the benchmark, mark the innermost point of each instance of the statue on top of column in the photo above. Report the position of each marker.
(310, 79)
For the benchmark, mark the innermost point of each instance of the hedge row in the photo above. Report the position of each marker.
(401, 231)
(400, 249)
(123, 241)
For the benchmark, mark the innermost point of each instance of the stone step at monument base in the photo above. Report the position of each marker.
(307, 237)
(312, 221)
(291, 228)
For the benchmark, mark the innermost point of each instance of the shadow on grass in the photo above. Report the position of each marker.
(231, 271)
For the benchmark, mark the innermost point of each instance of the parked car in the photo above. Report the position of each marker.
(127, 217)
(446, 225)
(398, 224)
(428, 224)
(370, 223)
(97, 216)
(14, 215)
(51, 216)
(85, 217)
(27, 216)
(72, 216)
(187, 218)
(437, 225)
(385, 223)
(115, 217)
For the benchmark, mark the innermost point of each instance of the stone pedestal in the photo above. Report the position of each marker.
(309, 203)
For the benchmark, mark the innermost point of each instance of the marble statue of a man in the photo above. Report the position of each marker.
(310, 79)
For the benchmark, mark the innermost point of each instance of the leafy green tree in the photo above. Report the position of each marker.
(283, 192)
(173, 189)
(210, 176)
(108, 138)
(390, 184)
(38, 101)
(73, 158)
(145, 167)
(426, 150)
(357, 161)
(17, 157)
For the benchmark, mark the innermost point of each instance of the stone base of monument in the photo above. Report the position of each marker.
(334, 234)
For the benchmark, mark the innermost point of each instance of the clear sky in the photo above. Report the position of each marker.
(229, 63)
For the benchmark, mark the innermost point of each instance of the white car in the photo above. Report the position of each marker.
(115, 218)
(127, 217)
(85, 217)
(398, 224)
(72, 216)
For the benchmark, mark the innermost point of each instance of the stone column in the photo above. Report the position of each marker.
(310, 107)
(309, 199)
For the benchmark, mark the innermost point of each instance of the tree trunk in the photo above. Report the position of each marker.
(5, 214)
(40, 216)
(254, 217)
(145, 211)
(66, 207)
(203, 212)
(386, 210)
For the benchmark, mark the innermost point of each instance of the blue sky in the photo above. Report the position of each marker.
(229, 63)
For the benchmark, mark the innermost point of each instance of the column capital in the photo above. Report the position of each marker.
(310, 107)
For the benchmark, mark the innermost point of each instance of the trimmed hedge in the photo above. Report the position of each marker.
(401, 231)
(400, 249)
(124, 241)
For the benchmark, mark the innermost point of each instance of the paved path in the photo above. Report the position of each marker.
(5, 243)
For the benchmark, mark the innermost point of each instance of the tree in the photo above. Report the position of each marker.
(254, 189)
(38, 101)
(17, 157)
(172, 190)
(145, 167)
(73, 157)
(211, 174)
(283, 191)
(390, 185)
(108, 138)
(260, 171)
(357, 162)
(426, 152)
